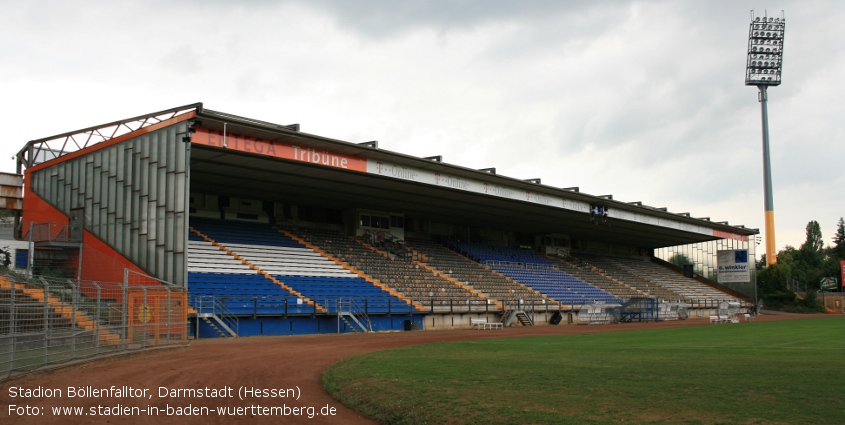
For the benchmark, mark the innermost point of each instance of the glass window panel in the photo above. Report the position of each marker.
(70, 199)
(114, 154)
(180, 160)
(170, 231)
(143, 182)
(104, 160)
(179, 183)
(161, 186)
(131, 241)
(60, 171)
(107, 225)
(97, 195)
(136, 210)
(142, 145)
(59, 195)
(118, 207)
(89, 220)
(128, 215)
(151, 255)
(75, 173)
(151, 140)
(126, 232)
(120, 162)
(179, 232)
(143, 215)
(150, 208)
(152, 179)
(103, 189)
(179, 269)
(161, 231)
(171, 158)
(129, 164)
(116, 232)
(141, 252)
(164, 136)
(52, 187)
(95, 218)
(76, 200)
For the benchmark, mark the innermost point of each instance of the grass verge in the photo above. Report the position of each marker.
(786, 372)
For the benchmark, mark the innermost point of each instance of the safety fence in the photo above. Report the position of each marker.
(47, 321)
(284, 306)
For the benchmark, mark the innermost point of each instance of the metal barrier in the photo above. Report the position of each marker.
(48, 232)
(47, 321)
(353, 310)
(213, 310)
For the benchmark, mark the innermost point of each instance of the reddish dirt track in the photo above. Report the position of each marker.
(261, 362)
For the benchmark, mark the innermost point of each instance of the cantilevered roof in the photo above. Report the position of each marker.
(252, 159)
(508, 203)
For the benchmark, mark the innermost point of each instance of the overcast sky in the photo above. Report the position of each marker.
(644, 100)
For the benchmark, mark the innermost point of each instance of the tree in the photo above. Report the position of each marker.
(5, 257)
(805, 265)
(838, 249)
(814, 237)
(680, 260)
(810, 257)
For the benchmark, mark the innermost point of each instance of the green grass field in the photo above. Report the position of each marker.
(787, 372)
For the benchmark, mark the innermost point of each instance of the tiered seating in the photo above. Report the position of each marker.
(612, 269)
(587, 274)
(31, 315)
(289, 261)
(245, 294)
(203, 257)
(400, 274)
(693, 290)
(660, 281)
(329, 291)
(275, 254)
(535, 272)
(558, 285)
(473, 274)
(484, 253)
(583, 292)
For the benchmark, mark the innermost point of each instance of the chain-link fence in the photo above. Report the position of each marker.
(48, 320)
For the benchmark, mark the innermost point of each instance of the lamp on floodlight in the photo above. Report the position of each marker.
(764, 66)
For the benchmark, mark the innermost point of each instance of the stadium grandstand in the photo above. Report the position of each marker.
(273, 231)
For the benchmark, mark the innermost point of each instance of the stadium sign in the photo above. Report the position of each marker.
(278, 150)
(733, 266)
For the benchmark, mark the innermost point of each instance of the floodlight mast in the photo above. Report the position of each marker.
(763, 69)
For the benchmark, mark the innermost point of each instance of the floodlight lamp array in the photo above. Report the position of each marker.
(765, 51)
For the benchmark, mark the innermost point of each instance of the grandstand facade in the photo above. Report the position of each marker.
(276, 231)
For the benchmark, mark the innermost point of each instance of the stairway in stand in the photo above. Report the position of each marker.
(76, 317)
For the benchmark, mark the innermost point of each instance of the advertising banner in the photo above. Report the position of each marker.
(827, 283)
(733, 266)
